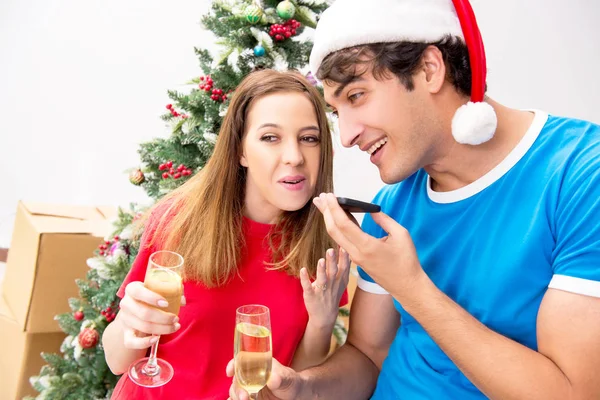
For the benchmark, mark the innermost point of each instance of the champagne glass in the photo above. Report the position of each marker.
(163, 276)
(252, 348)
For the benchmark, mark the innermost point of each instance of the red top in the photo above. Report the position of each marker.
(201, 349)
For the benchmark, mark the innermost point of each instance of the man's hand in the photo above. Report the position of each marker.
(391, 261)
(284, 384)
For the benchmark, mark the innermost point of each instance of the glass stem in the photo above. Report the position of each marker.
(151, 368)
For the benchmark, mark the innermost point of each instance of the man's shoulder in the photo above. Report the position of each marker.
(571, 146)
(572, 134)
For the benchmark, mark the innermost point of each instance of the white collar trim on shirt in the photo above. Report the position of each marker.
(539, 120)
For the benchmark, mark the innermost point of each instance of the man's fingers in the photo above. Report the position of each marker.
(388, 224)
(349, 229)
(242, 394)
(183, 301)
(281, 379)
(229, 370)
(332, 225)
(232, 395)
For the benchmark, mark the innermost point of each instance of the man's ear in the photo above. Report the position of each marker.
(434, 68)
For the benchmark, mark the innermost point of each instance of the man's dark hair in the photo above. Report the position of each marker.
(402, 59)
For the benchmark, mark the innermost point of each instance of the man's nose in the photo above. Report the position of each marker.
(350, 130)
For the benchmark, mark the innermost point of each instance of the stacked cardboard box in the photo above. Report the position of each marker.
(49, 248)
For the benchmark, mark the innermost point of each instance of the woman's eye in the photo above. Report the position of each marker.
(268, 138)
(311, 139)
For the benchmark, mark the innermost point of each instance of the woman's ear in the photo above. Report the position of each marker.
(243, 161)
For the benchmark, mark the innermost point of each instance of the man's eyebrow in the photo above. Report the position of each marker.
(344, 84)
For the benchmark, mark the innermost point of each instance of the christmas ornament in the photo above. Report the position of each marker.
(109, 314)
(310, 77)
(286, 9)
(137, 177)
(78, 315)
(218, 95)
(175, 113)
(88, 338)
(253, 13)
(206, 83)
(284, 31)
(259, 51)
(182, 169)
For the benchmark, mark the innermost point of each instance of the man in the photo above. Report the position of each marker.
(481, 277)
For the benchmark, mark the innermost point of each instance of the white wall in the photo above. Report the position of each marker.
(82, 83)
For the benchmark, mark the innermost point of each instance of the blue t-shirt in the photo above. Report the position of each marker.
(495, 246)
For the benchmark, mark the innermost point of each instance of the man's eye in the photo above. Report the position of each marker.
(353, 97)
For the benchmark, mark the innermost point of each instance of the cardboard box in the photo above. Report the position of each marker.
(20, 355)
(48, 252)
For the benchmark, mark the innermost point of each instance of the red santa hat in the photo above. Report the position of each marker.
(349, 23)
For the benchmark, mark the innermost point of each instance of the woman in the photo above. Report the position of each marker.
(249, 234)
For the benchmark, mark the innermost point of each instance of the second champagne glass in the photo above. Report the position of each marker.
(163, 276)
(252, 348)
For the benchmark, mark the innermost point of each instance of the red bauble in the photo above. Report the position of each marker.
(88, 338)
(78, 315)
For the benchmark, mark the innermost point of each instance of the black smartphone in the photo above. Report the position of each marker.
(356, 206)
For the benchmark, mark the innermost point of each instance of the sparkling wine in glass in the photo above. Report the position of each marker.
(252, 348)
(163, 276)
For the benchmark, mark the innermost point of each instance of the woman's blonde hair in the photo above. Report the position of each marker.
(202, 219)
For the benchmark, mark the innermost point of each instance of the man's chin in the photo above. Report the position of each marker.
(391, 178)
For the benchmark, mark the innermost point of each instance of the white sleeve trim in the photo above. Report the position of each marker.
(370, 287)
(575, 285)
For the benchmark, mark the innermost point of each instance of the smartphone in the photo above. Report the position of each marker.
(356, 206)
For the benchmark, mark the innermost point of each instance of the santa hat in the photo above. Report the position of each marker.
(349, 23)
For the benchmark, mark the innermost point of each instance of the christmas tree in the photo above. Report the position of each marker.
(251, 35)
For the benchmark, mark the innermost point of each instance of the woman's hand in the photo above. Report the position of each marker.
(142, 317)
(322, 297)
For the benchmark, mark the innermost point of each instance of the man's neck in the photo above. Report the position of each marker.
(459, 165)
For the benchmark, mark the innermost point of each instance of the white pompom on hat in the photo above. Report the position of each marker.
(349, 23)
